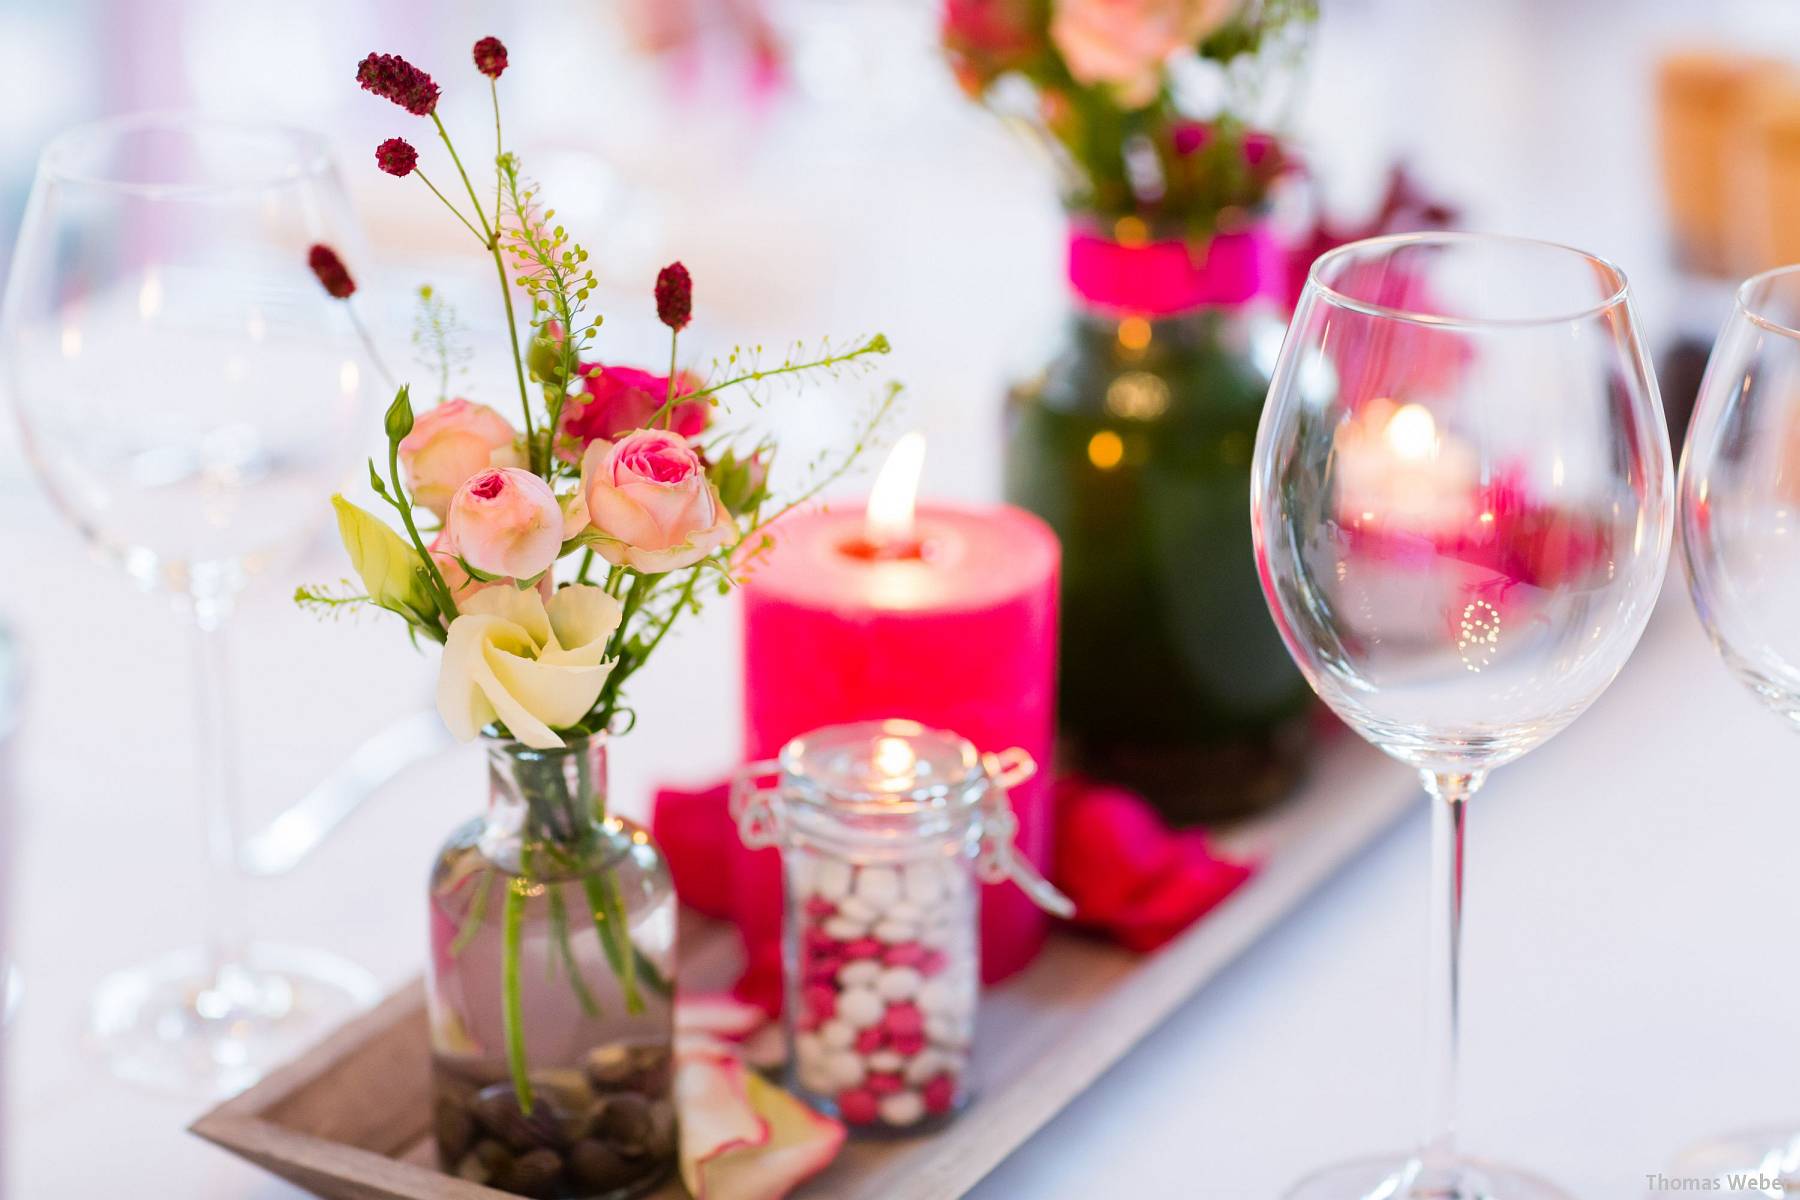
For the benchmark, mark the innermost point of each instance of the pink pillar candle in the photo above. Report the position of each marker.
(956, 629)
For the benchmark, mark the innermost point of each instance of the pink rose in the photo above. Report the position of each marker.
(448, 444)
(987, 38)
(651, 504)
(505, 521)
(620, 399)
(1125, 42)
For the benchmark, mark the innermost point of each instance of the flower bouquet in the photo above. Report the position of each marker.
(1135, 444)
(551, 561)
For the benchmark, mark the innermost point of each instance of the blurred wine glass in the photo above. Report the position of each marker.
(1740, 535)
(1461, 505)
(188, 395)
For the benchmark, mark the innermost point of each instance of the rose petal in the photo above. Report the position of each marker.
(461, 701)
(799, 1143)
(718, 1013)
(523, 608)
(582, 619)
(552, 694)
(713, 1102)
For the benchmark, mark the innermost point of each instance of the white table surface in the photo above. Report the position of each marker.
(1630, 964)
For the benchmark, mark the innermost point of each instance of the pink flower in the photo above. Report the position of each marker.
(1124, 43)
(393, 78)
(674, 296)
(462, 585)
(506, 521)
(490, 57)
(397, 157)
(333, 276)
(620, 399)
(651, 504)
(450, 443)
(987, 38)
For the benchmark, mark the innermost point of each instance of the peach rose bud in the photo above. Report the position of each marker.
(506, 521)
(650, 503)
(450, 443)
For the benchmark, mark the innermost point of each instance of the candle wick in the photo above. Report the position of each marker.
(868, 549)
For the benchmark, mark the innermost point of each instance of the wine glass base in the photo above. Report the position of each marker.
(1748, 1163)
(177, 1025)
(1402, 1178)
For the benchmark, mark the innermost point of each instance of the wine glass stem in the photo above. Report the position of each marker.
(1449, 802)
(215, 746)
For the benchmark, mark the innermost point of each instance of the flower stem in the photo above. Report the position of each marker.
(559, 934)
(615, 938)
(499, 146)
(362, 331)
(472, 922)
(668, 407)
(511, 1004)
(403, 502)
(434, 191)
(492, 241)
(875, 345)
(615, 681)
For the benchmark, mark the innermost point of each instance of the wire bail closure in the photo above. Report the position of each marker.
(760, 815)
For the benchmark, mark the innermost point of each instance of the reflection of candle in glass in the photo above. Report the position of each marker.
(1396, 471)
(895, 759)
(942, 615)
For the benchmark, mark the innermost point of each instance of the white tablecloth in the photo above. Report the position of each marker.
(1629, 973)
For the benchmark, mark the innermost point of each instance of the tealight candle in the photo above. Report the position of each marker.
(942, 615)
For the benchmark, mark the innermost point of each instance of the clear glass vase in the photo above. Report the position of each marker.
(553, 931)
(1135, 447)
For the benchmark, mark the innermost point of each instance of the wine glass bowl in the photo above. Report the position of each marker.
(1461, 508)
(1461, 503)
(184, 389)
(1740, 491)
(1740, 539)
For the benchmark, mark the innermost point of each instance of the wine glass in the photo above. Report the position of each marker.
(188, 395)
(1461, 506)
(1740, 501)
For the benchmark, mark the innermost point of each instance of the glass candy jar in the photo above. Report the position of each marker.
(886, 829)
(553, 931)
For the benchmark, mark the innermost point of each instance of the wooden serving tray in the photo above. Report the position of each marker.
(352, 1119)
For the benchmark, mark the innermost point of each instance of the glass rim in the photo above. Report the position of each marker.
(1751, 310)
(953, 791)
(1316, 283)
(312, 160)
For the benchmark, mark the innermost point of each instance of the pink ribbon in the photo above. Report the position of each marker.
(1158, 279)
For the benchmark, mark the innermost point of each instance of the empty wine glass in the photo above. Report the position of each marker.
(1461, 505)
(1740, 533)
(186, 393)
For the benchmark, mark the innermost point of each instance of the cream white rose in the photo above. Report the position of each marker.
(537, 667)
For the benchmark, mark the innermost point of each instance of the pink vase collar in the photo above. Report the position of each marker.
(1157, 279)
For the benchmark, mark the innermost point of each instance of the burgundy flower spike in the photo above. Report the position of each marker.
(333, 276)
(397, 157)
(490, 57)
(393, 78)
(674, 296)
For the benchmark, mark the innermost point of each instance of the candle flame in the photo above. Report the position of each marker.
(894, 758)
(1412, 432)
(889, 518)
(150, 295)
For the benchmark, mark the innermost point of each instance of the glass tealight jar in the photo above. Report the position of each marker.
(886, 831)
